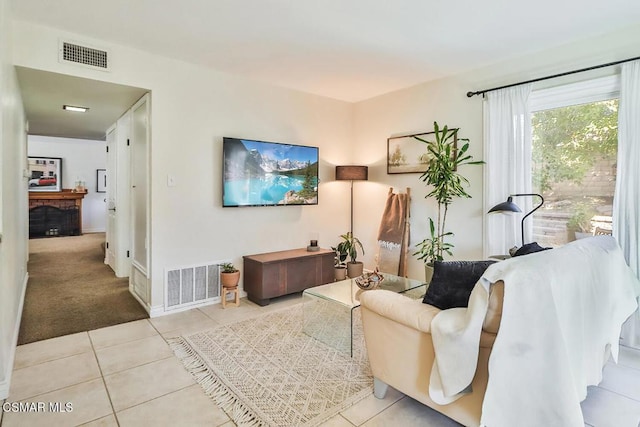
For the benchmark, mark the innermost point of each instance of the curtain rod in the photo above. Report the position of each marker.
(595, 67)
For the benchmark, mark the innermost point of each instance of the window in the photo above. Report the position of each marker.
(574, 148)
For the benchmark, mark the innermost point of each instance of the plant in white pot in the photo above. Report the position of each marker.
(443, 162)
(350, 245)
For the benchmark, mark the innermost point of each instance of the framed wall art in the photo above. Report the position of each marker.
(101, 181)
(406, 154)
(45, 173)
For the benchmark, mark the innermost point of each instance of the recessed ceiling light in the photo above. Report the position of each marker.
(75, 108)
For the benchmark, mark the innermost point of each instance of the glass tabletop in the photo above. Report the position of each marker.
(347, 292)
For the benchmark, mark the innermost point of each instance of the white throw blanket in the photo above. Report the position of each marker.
(562, 314)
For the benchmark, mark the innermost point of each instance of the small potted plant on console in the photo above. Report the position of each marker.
(229, 276)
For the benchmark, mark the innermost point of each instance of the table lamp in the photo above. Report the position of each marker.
(509, 206)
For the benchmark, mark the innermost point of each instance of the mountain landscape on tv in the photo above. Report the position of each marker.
(263, 173)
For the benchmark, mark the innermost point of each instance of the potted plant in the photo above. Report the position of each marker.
(340, 263)
(432, 248)
(443, 163)
(579, 224)
(350, 245)
(229, 276)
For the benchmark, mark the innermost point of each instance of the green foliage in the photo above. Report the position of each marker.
(228, 267)
(350, 245)
(308, 190)
(444, 161)
(397, 158)
(567, 141)
(432, 248)
(581, 218)
(340, 260)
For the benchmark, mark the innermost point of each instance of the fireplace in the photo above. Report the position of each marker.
(55, 213)
(49, 221)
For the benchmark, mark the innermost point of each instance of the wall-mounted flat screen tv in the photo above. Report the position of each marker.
(258, 173)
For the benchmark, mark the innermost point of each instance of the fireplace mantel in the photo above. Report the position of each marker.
(60, 199)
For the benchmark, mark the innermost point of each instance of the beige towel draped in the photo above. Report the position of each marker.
(393, 235)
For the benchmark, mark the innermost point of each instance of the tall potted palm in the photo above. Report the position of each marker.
(443, 163)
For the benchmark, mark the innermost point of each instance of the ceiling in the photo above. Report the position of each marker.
(44, 94)
(348, 50)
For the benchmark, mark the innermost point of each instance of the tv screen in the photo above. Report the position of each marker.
(258, 173)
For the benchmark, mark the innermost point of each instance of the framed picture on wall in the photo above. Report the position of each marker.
(406, 154)
(101, 180)
(45, 173)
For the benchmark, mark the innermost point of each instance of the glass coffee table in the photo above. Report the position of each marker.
(328, 309)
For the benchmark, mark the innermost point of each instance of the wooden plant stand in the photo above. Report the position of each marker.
(226, 291)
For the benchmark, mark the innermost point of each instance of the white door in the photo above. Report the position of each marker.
(140, 198)
(122, 183)
(111, 197)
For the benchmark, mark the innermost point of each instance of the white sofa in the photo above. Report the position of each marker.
(542, 345)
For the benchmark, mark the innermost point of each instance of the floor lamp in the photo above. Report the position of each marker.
(509, 206)
(352, 173)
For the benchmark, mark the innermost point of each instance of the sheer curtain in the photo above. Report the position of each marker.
(626, 210)
(508, 165)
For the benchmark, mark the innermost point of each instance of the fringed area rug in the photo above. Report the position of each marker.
(267, 371)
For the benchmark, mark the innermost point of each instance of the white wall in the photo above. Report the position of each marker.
(414, 110)
(13, 204)
(80, 160)
(192, 109)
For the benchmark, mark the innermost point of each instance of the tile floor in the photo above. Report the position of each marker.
(126, 375)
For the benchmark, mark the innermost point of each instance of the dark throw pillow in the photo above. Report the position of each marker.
(453, 281)
(529, 248)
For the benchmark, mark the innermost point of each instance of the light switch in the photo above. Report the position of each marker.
(171, 181)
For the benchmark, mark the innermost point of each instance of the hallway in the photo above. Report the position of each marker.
(71, 290)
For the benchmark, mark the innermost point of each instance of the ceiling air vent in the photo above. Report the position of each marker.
(87, 56)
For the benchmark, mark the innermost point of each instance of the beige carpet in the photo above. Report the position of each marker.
(71, 290)
(267, 372)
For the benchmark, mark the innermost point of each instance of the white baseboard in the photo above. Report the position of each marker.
(93, 230)
(157, 311)
(142, 303)
(5, 384)
(4, 388)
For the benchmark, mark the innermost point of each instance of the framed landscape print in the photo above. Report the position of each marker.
(45, 174)
(406, 154)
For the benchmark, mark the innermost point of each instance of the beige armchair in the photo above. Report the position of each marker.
(398, 340)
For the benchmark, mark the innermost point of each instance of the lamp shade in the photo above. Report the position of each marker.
(507, 206)
(352, 173)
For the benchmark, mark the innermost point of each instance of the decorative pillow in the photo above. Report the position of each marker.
(529, 248)
(453, 281)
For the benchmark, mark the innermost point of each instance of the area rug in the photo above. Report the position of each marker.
(267, 371)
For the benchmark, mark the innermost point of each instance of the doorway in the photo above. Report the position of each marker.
(71, 288)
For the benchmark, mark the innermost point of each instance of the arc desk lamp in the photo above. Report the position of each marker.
(510, 207)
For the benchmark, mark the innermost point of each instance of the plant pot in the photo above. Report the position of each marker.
(341, 273)
(354, 269)
(230, 280)
(428, 273)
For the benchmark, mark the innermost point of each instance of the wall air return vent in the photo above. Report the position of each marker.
(191, 285)
(87, 56)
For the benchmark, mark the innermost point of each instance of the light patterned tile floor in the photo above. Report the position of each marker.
(126, 375)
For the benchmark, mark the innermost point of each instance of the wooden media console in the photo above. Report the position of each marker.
(274, 274)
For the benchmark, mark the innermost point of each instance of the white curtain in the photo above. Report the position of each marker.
(626, 210)
(508, 166)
